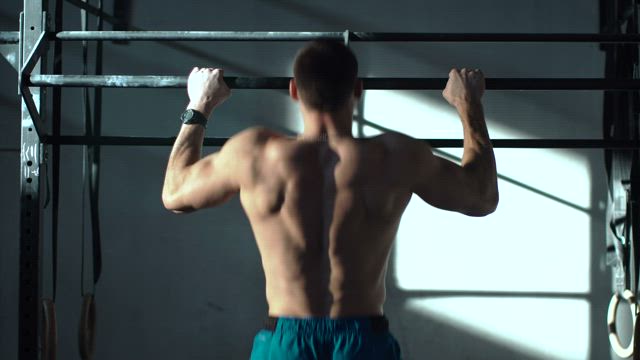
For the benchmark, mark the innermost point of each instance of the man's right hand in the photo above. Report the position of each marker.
(206, 89)
(464, 87)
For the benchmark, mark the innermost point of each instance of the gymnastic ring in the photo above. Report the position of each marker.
(87, 331)
(49, 330)
(623, 352)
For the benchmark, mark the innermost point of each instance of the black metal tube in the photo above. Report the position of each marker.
(56, 122)
(94, 11)
(436, 143)
(9, 37)
(197, 35)
(354, 36)
(154, 81)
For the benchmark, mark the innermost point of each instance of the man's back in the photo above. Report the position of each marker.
(324, 216)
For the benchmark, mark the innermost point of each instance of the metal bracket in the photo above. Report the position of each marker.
(23, 77)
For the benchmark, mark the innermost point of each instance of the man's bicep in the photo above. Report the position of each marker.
(207, 183)
(225, 171)
(217, 177)
(442, 183)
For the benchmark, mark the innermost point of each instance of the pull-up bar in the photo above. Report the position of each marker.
(161, 81)
(352, 36)
(436, 143)
(356, 36)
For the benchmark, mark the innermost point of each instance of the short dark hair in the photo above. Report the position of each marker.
(325, 73)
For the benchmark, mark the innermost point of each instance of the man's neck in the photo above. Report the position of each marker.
(326, 126)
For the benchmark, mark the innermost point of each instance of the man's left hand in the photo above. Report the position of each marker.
(206, 89)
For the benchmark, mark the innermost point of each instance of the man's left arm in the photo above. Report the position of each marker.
(193, 183)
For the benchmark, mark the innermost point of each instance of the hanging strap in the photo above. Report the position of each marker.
(90, 179)
(49, 335)
(94, 182)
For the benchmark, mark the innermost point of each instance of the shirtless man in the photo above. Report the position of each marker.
(325, 207)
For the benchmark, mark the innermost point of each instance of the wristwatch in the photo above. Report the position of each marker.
(191, 116)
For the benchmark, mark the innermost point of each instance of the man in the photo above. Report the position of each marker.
(325, 207)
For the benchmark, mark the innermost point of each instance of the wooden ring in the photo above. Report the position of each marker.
(87, 331)
(49, 330)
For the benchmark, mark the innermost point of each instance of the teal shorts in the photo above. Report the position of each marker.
(324, 338)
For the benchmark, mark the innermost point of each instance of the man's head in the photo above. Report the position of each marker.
(325, 75)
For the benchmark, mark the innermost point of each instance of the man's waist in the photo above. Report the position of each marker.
(375, 323)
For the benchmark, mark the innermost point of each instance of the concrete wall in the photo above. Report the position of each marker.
(527, 282)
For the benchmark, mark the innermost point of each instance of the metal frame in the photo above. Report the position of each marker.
(31, 45)
(621, 122)
(32, 40)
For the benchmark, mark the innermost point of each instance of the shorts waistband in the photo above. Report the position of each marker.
(377, 324)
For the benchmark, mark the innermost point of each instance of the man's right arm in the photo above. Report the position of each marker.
(470, 188)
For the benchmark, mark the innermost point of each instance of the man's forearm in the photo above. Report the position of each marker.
(186, 151)
(206, 89)
(476, 135)
(478, 157)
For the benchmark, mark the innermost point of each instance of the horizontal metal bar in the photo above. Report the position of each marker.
(353, 36)
(436, 143)
(122, 140)
(159, 81)
(197, 35)
(9, 37)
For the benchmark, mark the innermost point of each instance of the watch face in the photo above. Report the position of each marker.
(187, 115)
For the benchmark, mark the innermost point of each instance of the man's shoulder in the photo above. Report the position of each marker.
(393, 141)
(256, 134)
(252, 137)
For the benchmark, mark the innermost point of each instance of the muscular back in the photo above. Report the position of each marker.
(324, 217)
(325, 214)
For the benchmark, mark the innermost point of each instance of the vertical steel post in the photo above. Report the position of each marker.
(29, 313)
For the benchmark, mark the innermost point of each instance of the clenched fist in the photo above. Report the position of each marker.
(464, 87)
(206, 89)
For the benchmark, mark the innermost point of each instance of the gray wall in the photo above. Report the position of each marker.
(192, 286)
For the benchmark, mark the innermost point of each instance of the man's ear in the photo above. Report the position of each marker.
(358, 89)
(293, 90)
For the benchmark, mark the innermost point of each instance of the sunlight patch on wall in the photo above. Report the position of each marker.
(545, 328)
(537, 241)
(538, 238)
(415, 114)
(293, 117)
(531, 243)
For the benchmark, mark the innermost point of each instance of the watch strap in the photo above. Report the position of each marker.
(191, 117)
